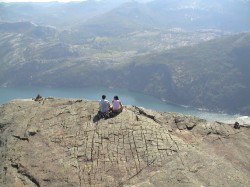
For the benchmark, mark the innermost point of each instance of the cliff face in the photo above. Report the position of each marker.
(61, 142)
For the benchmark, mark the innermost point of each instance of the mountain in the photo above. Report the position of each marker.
(127, 18)
(174, 50)
(62, 142)
(208, 75)
(225, 15)
(211, 75)
(119, 17)
(61, 15)
(28, 29)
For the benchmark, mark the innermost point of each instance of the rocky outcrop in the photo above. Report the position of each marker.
(61, 142)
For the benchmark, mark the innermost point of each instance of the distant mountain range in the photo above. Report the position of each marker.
(111, 16)
(165, 14)
(186, 52)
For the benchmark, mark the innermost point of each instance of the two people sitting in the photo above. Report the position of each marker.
(106, 108)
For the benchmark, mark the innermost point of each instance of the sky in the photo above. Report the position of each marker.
(37, 0)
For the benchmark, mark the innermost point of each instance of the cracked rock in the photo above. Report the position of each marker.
(62, 142)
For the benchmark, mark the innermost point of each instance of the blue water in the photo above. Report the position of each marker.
(127, 98)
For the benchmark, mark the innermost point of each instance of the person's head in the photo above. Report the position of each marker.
(103, 96)
(116, 97)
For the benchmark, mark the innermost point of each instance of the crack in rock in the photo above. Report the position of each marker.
(21, 138)
(23, 171)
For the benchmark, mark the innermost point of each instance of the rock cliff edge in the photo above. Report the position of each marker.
(61, 142)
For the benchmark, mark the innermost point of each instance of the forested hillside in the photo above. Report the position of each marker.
(211, 75)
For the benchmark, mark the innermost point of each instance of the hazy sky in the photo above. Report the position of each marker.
(38, 0)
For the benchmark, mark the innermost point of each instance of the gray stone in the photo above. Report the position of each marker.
(61, 142)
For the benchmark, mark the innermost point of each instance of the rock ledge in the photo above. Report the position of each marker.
(61, 142)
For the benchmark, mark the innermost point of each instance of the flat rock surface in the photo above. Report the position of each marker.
(61, 142)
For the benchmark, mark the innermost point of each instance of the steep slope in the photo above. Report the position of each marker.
(210, 75)
(29, 52)
(61, 142)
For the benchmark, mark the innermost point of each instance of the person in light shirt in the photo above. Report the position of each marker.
(104, 104)
(117, 105)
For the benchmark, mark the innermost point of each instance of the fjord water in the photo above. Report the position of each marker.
(127, 98)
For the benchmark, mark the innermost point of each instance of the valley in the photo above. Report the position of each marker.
(203, 66)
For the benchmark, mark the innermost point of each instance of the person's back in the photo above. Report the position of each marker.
(104, 104)
(117, 105)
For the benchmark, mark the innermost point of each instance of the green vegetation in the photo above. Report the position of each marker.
(210, 74)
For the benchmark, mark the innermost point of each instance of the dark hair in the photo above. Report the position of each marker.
(116, 97)
(103, 96)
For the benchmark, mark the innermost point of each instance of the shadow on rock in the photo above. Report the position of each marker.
(96, 118)
(100, 115)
